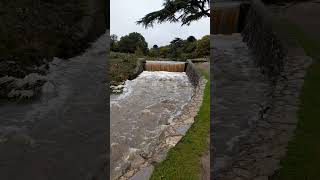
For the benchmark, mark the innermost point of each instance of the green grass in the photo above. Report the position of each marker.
(303, 155)
(183, 160)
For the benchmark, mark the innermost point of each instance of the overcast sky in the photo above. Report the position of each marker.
(125, 13)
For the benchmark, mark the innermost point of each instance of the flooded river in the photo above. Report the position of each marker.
(147, 105)
(62, 133)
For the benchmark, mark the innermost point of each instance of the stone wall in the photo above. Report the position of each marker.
(192, 73)
(260, 35)
(284, 63)
(139, 68)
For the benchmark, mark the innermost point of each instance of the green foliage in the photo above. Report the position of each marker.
(180, 49)
(175, 50)
(31, 31)
(189, 47)
(139, 52)
(191, 39)
(114, 43)
(203, 46)
(185, 11)
(154, 52)
(130, 43)
(122, 66)
(303, 156)
(164, 51)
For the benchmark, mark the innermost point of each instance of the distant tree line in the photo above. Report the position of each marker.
(131, 43)
(177, 49)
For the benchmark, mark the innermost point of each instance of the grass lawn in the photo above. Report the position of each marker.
(183, 160)
(303, 156)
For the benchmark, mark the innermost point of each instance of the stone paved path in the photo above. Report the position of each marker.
(63, 134)
(238, 91)
(253, 120)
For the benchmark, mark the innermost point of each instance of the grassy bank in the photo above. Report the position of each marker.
(122, 66)
(303, 156)
(32, 30)
(183, 161)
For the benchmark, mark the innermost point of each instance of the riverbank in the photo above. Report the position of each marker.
(184, 160)
(62, 134)
(260, 129)
(302, 159)
(33, 33)
(122, 66)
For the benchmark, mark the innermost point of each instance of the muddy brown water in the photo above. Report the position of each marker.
(62, 134)
(139, 115)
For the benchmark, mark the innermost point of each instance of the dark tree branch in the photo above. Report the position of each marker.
(191, 10)
(201, 7)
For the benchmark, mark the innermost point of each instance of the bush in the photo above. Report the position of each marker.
(31, 31)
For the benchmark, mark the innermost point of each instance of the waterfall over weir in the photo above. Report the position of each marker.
(170, 66)
(228, 17)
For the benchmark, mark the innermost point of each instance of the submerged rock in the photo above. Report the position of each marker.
(21, 94)
(21, 88)
(117, 88)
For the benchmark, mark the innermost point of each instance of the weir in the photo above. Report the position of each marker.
(170, 66)
(228, 17)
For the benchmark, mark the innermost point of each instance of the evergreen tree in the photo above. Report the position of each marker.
(184, 11)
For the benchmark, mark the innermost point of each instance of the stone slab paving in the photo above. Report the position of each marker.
(63, 134)
(253, 119)
(238, 91)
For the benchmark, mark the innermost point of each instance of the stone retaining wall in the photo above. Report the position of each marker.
(192, 73)
(284, 62)
(139, 68)
(260, 35)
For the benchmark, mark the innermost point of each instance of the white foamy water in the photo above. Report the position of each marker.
(138, 115)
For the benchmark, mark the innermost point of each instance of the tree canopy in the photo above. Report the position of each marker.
(191, 39)
(183, 48)
(114, 43)
(203, 46)
(178, 49)
(132, 43)
(184, 11)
